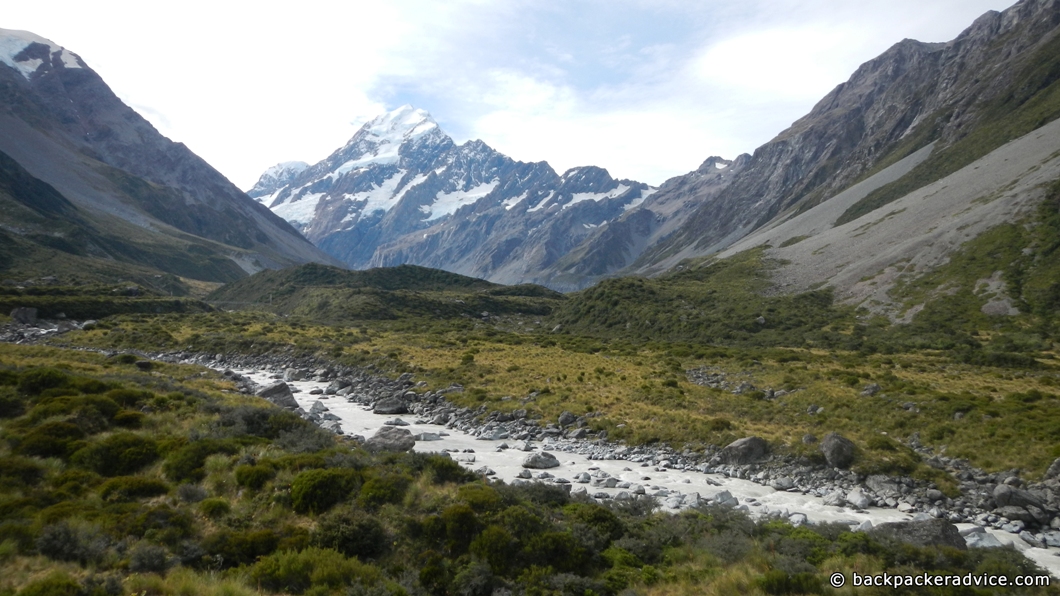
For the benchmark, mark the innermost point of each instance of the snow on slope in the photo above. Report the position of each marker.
(13, 42)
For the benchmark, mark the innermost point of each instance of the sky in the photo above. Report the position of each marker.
(646, 89)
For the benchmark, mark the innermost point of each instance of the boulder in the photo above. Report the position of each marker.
(870, 390)
(882, 485)
(391, 438)
(838, 450)
(858, 498)
(1054, 470)
(567, 419)
(280, 394)
(540, 461)
(744, 451)
(1005, 495)
(24, 315)
(390, 405)
(977, 537)
(932, 532)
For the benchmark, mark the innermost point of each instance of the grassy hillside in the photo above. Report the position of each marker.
(44, 234)
(114, 480)
(405, 293)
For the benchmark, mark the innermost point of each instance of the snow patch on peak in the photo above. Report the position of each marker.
(448, 203)
(578, 197)
(12, 42)
(286, 167)
(397, 126)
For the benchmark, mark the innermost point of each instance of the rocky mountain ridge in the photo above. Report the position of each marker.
(401, 191)
(61, 123)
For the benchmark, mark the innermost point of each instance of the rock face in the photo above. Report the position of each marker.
(391, 438)
(540, 461)
(279, 394)
(914, 90)
(934, 532)
(838, 450)
(744, 451)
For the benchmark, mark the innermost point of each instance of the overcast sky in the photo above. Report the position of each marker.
(646, 89)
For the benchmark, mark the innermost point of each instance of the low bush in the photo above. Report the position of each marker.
(316, 491)
(387, 488)
(215, 507)
(148, 558)
(186, 463)
(119, 454)
(352, 533)
(36, 380)
(52, 439)
(254, 477)
(127, 488)
(56, 584)
(295, 572)
(20, 471)
(233, 548)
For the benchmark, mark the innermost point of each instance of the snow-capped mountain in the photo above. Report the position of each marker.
(401, 191)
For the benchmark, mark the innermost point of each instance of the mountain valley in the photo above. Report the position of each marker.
(835, 356)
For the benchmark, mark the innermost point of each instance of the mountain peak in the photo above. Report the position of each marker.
(26, 52)
(399, 125)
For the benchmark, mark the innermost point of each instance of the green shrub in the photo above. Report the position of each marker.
(120, 454)
(495, 546)
(129, 419)
(127, 488)
(254, 477)
(444, 470)
(776, 581)
(352, 533)
(599, 518)
(559, 550)
(388, 488)
(296, 572)
(33, 381)
(19, 471)
(148, 558)
(52, 439)
(316, 491)
(215, 507)
(65, 405)
(185, 464)
(480, 497)
(11, 405)
(240, 548)
(56, 584)
(130, 398)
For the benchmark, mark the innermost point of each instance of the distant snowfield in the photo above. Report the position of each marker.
(759, 500)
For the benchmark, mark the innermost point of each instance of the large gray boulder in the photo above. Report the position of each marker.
(391, 438)
(279, 394)
(882, 485)
(932, 532)
(744, 451)
(540, 461)
(24, 315)
(838, 450)
(390, 405)
(1005, 495)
